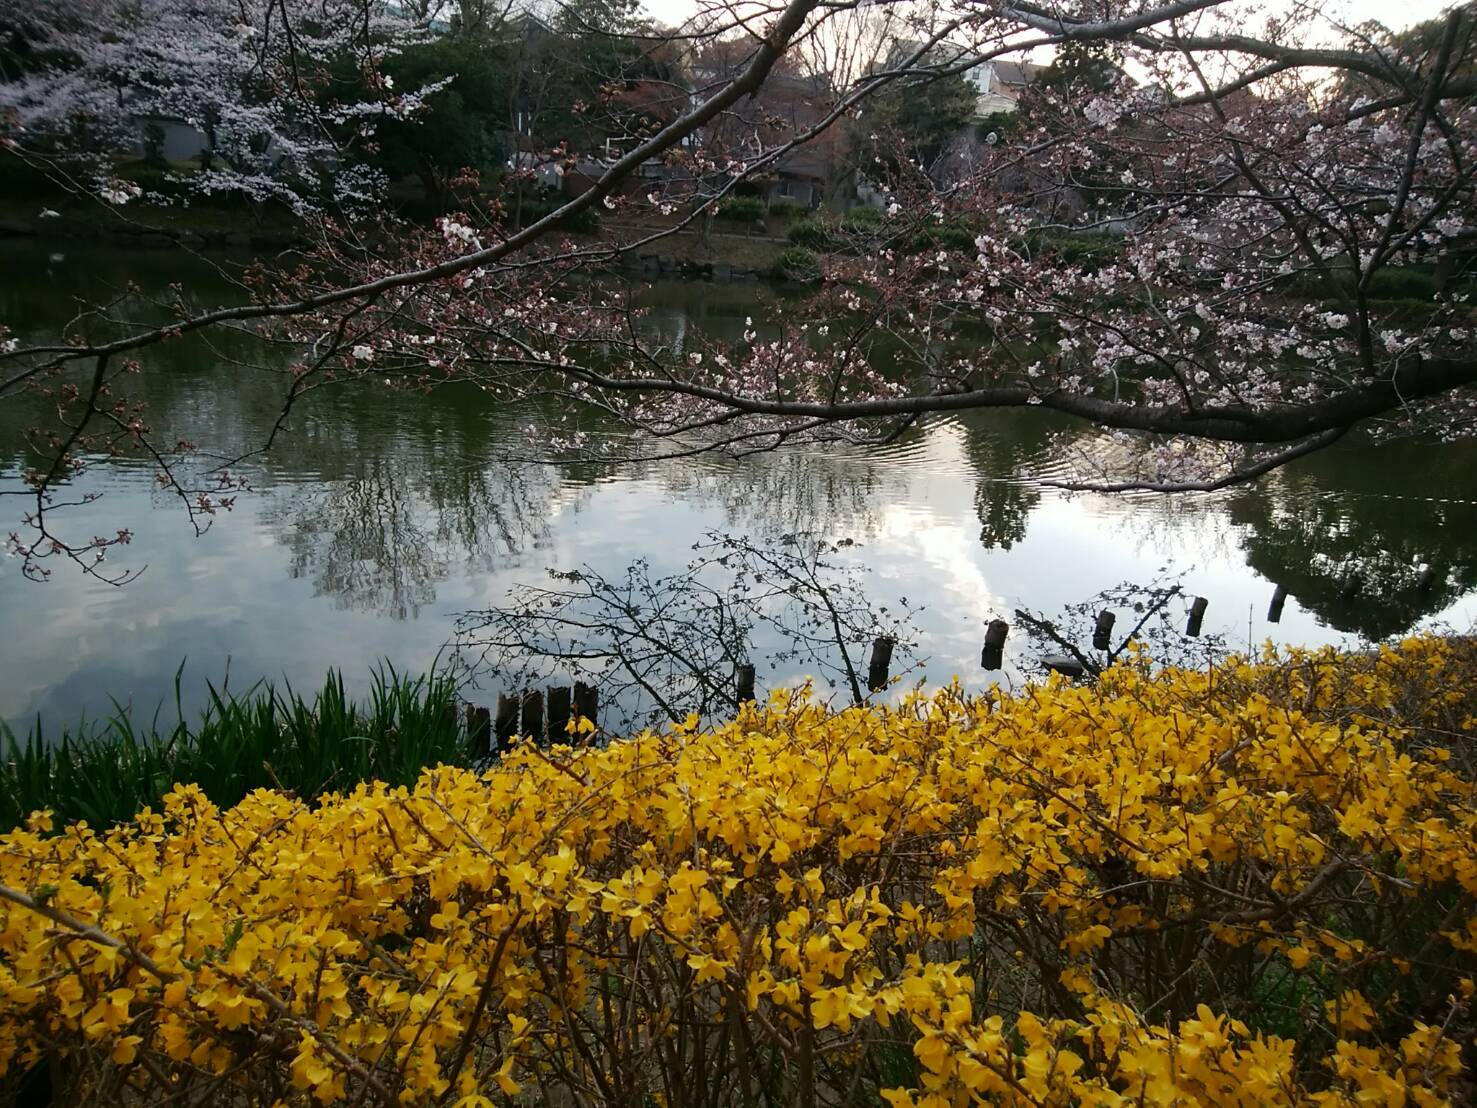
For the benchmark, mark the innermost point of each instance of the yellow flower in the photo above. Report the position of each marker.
(997, 884)
(308, 1070)
(504, 1077)
(125, 1049)
(1349, 1011)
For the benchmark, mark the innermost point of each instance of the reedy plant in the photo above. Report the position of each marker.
(265, 736)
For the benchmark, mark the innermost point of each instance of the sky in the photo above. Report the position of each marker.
(1395, 14)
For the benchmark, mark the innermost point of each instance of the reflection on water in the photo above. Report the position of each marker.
(1350, 534)
(380, 527)
(380, 517)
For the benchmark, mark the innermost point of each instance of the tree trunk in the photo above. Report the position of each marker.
(435, 194)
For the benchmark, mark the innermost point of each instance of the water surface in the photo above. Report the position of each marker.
(379, 518)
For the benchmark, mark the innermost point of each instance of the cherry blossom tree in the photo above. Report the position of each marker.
(275, 90)
(1198, 256)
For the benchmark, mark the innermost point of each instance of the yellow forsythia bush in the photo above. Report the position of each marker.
(1250, 885)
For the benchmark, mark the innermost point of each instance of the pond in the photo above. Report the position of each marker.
(379, 518)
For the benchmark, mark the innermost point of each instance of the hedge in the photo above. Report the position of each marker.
(1254, 884)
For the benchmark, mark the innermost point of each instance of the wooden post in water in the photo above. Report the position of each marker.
(1102, 634)
(559, 702)
(587, 702)
(993, 655)
(1274, 610)
(506, 721)
(533, 715)
(1197, 616)
(479, 728)
(879, 663)
(743, 683)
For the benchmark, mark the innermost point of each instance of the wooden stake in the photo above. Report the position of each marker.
(743, 683)
(506, 723)
(479, 728)
(559, 702)
(880, 663)
(1064, 664)
(533, 715)
(587, 703)
(1197, 616)
(993, 655)
(1274, 610)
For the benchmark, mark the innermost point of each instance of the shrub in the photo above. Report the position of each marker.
(946, 236)
(533, 209)
(1087, 249)
(787, 209)
(810, 235)
(796, 263)
(1403, 283)
(861, 221)
(165, 181)
(1077, 894)
(20, 179)
(742, 209)
(153, 134)
(952, 236)
(585, 222)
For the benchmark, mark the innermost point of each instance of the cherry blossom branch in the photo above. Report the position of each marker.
(1414, 379)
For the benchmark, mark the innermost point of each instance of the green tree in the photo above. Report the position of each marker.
(916, 122)
(1353, 558)
(575, 75)
(1420, 45)
(1081, 69)
(460, 128)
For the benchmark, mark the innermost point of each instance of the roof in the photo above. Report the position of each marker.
(1019, 74)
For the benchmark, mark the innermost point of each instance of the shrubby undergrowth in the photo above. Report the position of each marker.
(1255, 884)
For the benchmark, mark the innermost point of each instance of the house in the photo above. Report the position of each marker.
(788, 104)
(575, 174)
(1000, 83)
(167, 137)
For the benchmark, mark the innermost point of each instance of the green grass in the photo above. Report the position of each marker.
(105, 772)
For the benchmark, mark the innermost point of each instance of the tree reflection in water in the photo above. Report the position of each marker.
(1002, 455)
(1348, 534)
(383, 537)
(395, 514)
(381, 496)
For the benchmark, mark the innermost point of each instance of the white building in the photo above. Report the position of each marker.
(999, 84)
